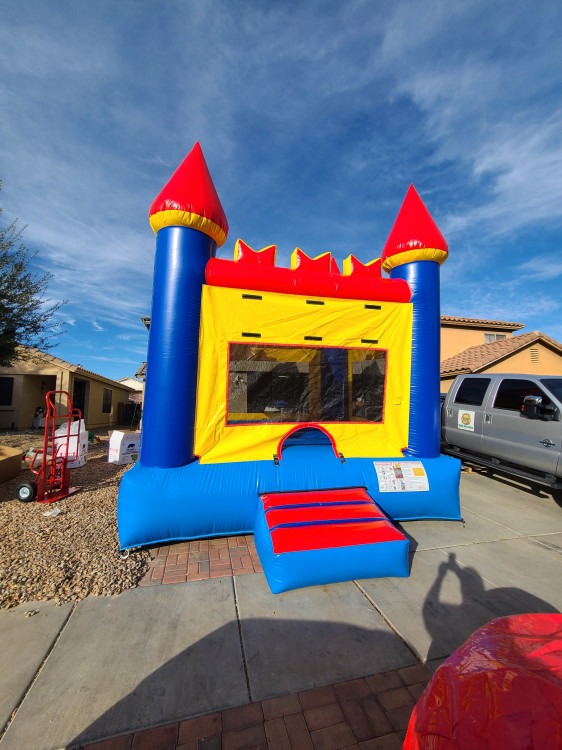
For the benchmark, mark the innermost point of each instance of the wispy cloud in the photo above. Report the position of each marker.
(508, 299)
(313, 117)
(486, 101)
(544, 267)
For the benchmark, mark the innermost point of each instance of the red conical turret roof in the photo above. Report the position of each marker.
(189, 199)
(414, 236)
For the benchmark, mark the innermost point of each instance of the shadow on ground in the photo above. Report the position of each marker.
(439, 615)
(288, 655)
(540, 491)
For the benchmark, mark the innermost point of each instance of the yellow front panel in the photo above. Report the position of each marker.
(236, 316)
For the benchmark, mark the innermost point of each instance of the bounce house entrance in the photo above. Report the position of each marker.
(301, 535)
(309, 535)
(311, 437)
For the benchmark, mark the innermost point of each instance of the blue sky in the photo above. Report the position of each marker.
(314, 117)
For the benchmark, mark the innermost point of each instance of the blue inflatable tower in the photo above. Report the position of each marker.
(414, 251)
(189, 222)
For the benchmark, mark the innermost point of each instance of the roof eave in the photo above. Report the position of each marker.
(100, 378)
(454, 373)
(450, 321)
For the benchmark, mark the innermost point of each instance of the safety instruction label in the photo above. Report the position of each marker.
(401, 476)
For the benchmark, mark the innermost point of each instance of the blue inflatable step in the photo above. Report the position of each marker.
(326, 536)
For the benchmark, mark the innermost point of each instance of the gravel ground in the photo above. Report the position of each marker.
(73, 554)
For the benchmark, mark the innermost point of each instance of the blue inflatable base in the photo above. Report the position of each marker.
(157, 506)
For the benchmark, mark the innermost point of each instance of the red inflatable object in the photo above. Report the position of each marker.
(414, 229)
(190, 199)
(316, 277)
(501, 690)
(321, 519)
(341, 496)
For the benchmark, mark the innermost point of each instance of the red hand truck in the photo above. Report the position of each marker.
(49, 464)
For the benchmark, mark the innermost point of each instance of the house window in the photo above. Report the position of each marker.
(305, 384)
(107, 393)
(6, 391)
(489, 338)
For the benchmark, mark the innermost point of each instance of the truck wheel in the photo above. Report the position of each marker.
(26, 492)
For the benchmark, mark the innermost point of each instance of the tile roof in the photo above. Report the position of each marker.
(482, 323)
(475, 358)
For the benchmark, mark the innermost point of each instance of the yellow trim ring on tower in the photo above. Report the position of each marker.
(176, 218)
(411, 256)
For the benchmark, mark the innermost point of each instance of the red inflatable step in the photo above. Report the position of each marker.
(313, 497)
(320, 519)
(325, 535)
(307, 514)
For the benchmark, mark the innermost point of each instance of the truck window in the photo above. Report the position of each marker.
(512, 391)
(472, 391)
(554, 385)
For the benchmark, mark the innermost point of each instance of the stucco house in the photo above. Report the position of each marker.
(533, 353)
(458, 334)
(134, 384)
(23, 386)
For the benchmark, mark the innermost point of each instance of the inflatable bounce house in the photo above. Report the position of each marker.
(299, 404)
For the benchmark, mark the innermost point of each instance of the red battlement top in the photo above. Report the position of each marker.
(315, 277)
(413, 237)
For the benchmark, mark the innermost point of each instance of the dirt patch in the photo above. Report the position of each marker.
(71, 554)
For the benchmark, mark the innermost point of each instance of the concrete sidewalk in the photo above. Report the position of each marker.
(156, 655)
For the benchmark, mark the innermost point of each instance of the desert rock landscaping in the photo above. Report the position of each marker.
(67, 550)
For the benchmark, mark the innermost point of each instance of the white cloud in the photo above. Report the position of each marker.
(314, 117)
(544, 267)
(484, 77)
(508, 299)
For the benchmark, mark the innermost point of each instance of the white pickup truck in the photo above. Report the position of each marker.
(507, 422)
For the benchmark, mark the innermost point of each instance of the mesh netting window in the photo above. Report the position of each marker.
(305, 384)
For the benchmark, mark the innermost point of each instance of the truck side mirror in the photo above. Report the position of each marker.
(549, 413)
(531, 407)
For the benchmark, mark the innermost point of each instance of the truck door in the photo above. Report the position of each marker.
(508, 435)
(463, 414)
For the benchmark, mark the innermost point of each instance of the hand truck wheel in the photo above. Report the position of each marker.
(26, 492)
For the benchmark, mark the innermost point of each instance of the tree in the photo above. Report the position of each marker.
(26, 315)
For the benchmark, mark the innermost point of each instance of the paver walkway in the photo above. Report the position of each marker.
(371, 713)
(207, 558)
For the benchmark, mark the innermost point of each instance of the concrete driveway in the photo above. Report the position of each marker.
(108, 666)
(505, 559)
